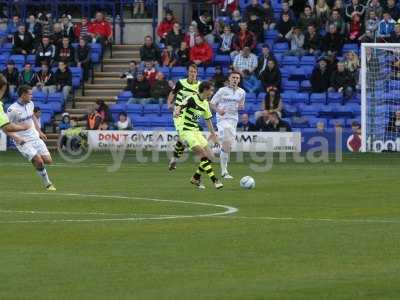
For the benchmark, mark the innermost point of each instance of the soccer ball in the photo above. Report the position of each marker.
(247, 182)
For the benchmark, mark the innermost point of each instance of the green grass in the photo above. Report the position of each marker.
(353, 255)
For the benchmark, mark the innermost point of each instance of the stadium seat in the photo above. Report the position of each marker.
(291, 85)
(349, 122)
(76, 76)
(313, 121)
(287, 97)
(223, 60)
(134, 109)
(178, 72)
(286, 71)
(290, 61)
(124, 96)
(280, 47)
(290, 110)
(270, 34)
(299, 74)
(56, 100)
(31, 59)
(308, 110)
(305, 86)
(210, 71)
(300, 98)
(307, 61)
(140, 121)
(334, 122)
(39, 96)
(3, 58)
(18, 59)
(335, 97)
(165, 71)
(152, 109)
(165, 110)
(318, 98)
(343, 111)
(326, 111)
(7, 47)
(350, 47)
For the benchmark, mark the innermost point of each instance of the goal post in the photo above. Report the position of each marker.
(380, 97)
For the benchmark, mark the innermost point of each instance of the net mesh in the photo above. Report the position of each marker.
(382, 88)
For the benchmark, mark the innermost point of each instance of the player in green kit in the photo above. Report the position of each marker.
(190, 111)
(8, 127)
(183, 89)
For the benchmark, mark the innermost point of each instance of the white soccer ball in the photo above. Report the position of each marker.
(247, 182)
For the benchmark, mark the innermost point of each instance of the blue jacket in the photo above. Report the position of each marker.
(385, 29)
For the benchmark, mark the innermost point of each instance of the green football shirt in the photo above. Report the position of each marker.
(3, 117)
(194, 108)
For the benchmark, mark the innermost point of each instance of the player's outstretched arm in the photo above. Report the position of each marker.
(213, 135)
(11, 127)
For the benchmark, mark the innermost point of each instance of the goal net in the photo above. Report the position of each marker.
(380, 97)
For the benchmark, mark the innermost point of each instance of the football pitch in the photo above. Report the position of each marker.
(307, 231)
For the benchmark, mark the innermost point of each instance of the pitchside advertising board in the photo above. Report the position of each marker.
(245, 141)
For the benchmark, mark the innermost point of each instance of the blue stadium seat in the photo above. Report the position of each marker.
(334, 97)
(76, 76)
(18, 59)
(56, 100)
(124, 96)
(307, 61)
(343, 111)
(308, 110)
(334, 122)
(116, 109)
(300, 98)
(291, 85)
(327, 111)
(164, 70)
(290, 110)
(201, 73)
(31, 59)
(223, 60)
(270, 34)
(355, 108)
(318, 98)
(349, 122)
(140, 121)
(134, 108)
(7, 47)
(290, 61)
(286, 71)
(350, 47)
(152, 109)
(299, 74)
(165, 110)
(95, 53)
(287, 97)
(280, 47)
(178, 72)
(313, 121)
(305, 86)
(39, 96)
(4, 58)
(210, 71)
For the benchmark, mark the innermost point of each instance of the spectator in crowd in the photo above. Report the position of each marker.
(169, 57)
(284, 25)
(12, 75)
(254, 8)
(175, 37)
(256, 26)
(46, 21)
(272, 101)
(332, 41)
(149, 51)
(339, 6)
(352, 64)
(245, 124)
(65, 122)
(27, 76)
(93, 119)
(250, 82)
(205, 26)
(285, 9)
(271, 76)
(44, 80)
(298, 6)
(263, 60)
(320, 77)
(38, 113)
(12, 26)
(342, 81)
(307, 18)
(82, 30)
(226, 6)
(45, 52)
(130, 74)
(355, 7)
(65, 52)
(393, 9)
(150, 72)
(140, 90)
(312, 41)
(394, 122)
(235, 21)
(82, 57)
(100, 29)
(270, 121)
(374, 6)
(124, 122)
(354, 28)
(166, 25)
(219, 78)
(395, 36)
(385, 27)
(371, 22)
(201, 54)
(56, 37)
(103, 110)
(245, 60)
(183, 55)
(296, 40)
(322, 12)
(63, 79)
(68, 27)
(244, 38)
(160, 89)
(269, 18)
(190, 35)
(225, 41)
(138, 9)
(34, 27)
(23, 41)
(336, 20)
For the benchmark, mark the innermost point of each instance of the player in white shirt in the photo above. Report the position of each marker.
(33, 148)
(227, 102)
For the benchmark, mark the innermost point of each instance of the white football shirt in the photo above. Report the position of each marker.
(20, 113)
(229, 99)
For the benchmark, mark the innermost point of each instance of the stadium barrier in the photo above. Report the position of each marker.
(165, 141)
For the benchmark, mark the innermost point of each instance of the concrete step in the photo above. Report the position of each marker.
(114, 74)
(92, 100)
(109, 80)
(106, 85)
(75, 111)
(86, 105)
(132, 55)
(117, 61)
(99, 93)
(127, 47)
(117, 68)
(52, 136)
(52, 144)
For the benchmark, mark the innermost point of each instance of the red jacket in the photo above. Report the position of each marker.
(164, 27)
(77, 29)
(201, 52)
(102, 28)
(241, 40)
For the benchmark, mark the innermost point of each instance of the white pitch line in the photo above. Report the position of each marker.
(227, 210)
(313, 219)
(41, 212)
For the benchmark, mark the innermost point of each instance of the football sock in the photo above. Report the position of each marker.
(224, 158)
(197, 175)
(45, 177)
(205, 165)
(179, 149)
